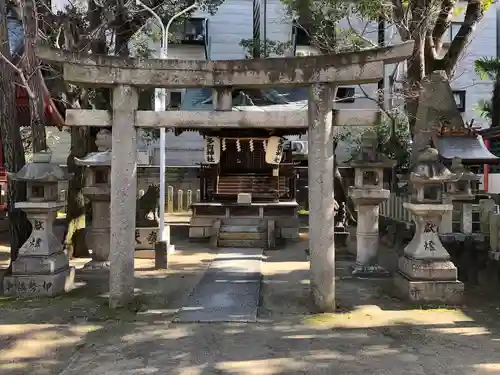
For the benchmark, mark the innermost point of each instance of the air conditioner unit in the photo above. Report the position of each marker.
(299, 147)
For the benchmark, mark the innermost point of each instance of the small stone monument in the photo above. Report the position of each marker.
(42, 267)
(426, 273)
(367, 194)
(463, 192)
(147, 222)
(98, 190)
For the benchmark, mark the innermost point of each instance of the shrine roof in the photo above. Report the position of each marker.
(247, 100)
(491, 132)
(471, 149)
(282, 99)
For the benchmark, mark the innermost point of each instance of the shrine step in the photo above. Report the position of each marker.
(241, 229)
(250, 235)
(242, 243)
(242, 221)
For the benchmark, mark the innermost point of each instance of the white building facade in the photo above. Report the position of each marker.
(218, 37)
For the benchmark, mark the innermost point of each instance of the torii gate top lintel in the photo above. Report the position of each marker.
(344, 68)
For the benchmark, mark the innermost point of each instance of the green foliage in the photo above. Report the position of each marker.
(393, 135)
(487, 68)
(484, 108)
(271, 48)
(486, 4)
(395, 140)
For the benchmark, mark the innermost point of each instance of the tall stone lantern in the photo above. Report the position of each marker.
(367, 194)
(463, 192)
(98, 190)
(426, 273)
(42, 267)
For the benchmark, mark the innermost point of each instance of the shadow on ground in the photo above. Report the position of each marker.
(372, 333)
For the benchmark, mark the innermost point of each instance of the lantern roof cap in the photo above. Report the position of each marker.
(369, 155)
(458, 168)
(101, 158)
(41, 170)
(429, 168)
(95, 159)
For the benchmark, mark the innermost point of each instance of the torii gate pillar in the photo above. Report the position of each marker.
(321, 199)
(123, 196)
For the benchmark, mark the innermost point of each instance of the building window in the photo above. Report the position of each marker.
(345, 95)
(451, 33)
(194, 31)
(175, 100)
(302, 37)
(190, 31)
(459, 96)
(454, 27)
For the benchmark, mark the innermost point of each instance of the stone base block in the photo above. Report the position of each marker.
(98, 242)
(429, 291)
(365, 270)
(424, 269)
(150, 254)
(145, 238)
(96, 265)
(39, 285)
(341, 238)
(494, 255)
(288, 233)
(29, 265)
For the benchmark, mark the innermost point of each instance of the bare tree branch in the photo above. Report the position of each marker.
(473, 15)
(21, 76)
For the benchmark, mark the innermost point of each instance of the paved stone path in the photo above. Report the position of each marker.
(229, 291)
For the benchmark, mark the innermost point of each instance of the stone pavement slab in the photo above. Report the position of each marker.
(229, 291)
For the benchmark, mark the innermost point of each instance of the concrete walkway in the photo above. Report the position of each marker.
(229, 291)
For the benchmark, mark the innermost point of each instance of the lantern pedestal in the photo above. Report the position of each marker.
(42, 267)
(98, 191)
(98, 234)
(367, 201)
(425, 272)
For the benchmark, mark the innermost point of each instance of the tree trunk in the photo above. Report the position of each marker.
(82, 142)
(33, 73)
(75, 212)
(13, 151)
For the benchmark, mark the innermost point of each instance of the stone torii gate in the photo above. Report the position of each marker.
(322, 74)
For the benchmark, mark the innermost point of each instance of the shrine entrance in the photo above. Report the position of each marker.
(222, 177)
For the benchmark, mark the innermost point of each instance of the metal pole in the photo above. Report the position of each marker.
(264, 27)
(160, 105)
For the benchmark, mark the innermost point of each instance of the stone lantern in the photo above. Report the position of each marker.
(367, 194)
(426, 273)
(463, 192)
(98, 190)
(42, 267)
